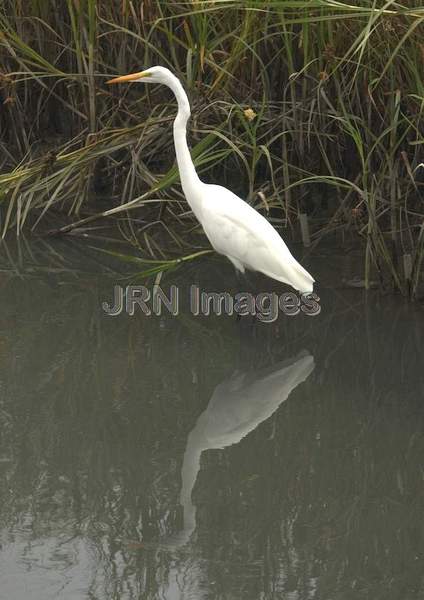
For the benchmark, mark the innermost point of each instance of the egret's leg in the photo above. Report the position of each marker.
(242, 274)
(238, 265)
(248, 279)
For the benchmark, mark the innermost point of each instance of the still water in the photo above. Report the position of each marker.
(183, 457)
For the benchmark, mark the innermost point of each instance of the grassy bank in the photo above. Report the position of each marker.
(303, 107)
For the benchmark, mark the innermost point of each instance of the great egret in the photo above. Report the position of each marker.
(232, 226)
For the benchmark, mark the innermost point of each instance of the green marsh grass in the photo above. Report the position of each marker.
(334, 130)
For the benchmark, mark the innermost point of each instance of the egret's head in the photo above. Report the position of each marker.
(152, 75)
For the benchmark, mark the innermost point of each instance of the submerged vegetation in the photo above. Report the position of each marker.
(311, 110)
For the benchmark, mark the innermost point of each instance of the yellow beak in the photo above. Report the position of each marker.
(130, 77)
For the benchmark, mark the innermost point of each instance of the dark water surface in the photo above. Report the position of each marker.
(200, 457)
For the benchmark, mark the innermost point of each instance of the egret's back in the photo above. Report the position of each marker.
(238, 231)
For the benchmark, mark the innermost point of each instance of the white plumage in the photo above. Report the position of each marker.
(238, 231)
(233, 227)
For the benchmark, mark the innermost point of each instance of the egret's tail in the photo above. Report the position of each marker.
(301, 280)
(296, 276)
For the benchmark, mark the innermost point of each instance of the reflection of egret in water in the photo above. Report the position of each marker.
(237, 407)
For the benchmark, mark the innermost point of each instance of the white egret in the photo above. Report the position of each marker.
(233, 227)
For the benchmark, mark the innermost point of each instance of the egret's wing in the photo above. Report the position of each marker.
(234, 225)
(237, 230)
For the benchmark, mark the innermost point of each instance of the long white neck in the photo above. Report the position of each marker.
(190, 181)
